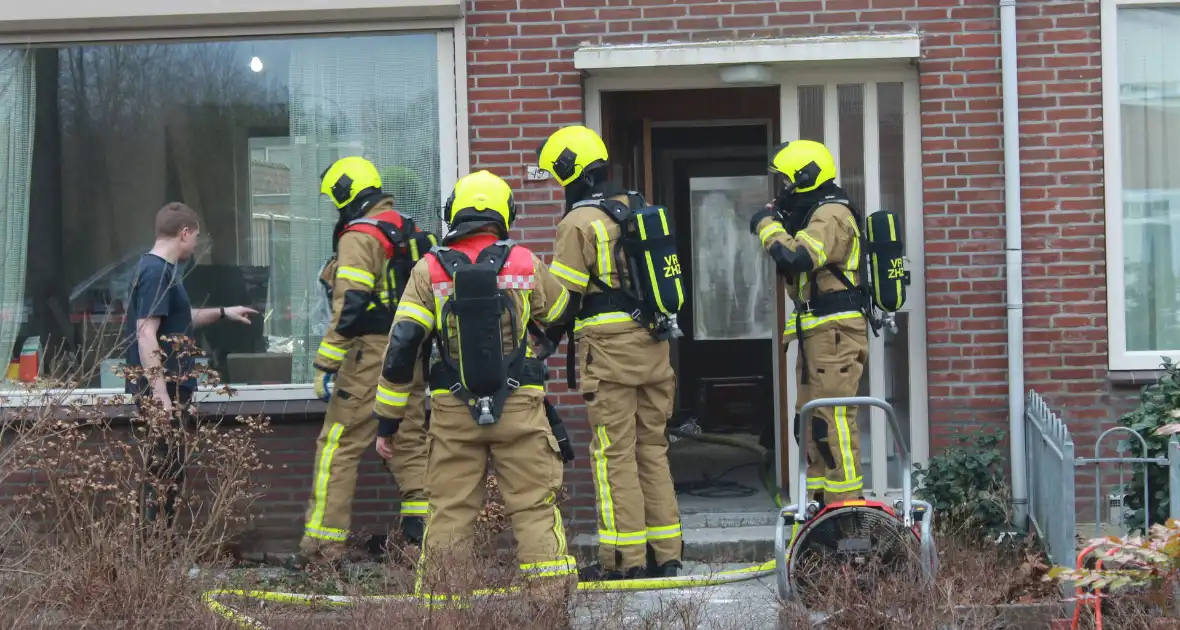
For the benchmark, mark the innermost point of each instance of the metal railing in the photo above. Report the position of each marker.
(1052, 465)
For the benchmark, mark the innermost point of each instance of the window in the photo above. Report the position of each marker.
(1141, 105)
(94, 139)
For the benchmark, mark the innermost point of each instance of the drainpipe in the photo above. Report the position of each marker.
(1014, 262)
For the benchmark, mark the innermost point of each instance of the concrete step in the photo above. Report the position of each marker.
(713, 537)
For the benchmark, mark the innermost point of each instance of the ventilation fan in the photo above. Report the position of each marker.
(858, 541)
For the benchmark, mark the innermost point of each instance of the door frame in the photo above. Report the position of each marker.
(919, 433)
(886, 70)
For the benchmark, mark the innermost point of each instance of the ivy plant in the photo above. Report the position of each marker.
(966, 486)
(1159, 406)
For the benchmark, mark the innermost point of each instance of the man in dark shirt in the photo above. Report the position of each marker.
(159, 307)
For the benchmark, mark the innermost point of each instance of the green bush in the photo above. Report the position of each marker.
(966, 486)
(1159, 405)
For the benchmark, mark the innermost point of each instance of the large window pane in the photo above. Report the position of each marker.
(240, 131)
(850, 172)
(1149, 92)
(891, 156)
(811, 112)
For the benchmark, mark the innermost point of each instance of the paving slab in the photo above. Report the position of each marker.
(750, 604)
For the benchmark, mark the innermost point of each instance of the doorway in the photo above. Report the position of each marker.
(869, 119)
(703, 154)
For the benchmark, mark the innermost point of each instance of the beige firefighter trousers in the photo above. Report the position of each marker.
(629, 387)
(835, 361)
(349, 430)
(528, 470)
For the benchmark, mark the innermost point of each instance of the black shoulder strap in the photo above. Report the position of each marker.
(392, 233)
(617, 210)
(496, 254)
(635, 200)
(450, 259)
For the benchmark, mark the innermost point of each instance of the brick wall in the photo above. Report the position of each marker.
(291, 446)
(523, 85)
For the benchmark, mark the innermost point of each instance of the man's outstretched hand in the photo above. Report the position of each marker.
(240, 314)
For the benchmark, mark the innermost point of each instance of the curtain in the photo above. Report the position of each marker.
(17, 111)
(1149, 92)
(375, 97)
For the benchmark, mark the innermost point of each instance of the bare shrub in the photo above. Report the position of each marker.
(79, 544)
(974, 577)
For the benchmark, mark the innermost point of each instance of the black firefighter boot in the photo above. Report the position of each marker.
(667, 569)
(413, 529)
(596, 573)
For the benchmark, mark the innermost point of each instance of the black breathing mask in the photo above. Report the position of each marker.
(792, 206)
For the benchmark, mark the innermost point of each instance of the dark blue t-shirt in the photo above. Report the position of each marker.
(157, 292)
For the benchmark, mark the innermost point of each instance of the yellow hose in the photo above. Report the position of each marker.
(648, 584)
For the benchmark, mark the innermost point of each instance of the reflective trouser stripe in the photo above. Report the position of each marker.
(326, 533)
(852, 480)
(558, 527)
(665, 532)
(565, 566)
(315, 526)
(415, 508)
(606, 505)
(621, 539)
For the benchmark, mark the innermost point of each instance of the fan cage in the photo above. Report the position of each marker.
(861, 543)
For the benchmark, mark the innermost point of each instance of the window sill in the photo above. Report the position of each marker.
(290, 398)
(1134, 378)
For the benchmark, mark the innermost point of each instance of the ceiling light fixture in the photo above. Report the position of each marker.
(747, 74)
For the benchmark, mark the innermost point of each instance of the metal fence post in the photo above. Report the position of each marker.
(1067, 537)
(1174, 477)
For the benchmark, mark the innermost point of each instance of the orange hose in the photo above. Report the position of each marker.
(1077, 609)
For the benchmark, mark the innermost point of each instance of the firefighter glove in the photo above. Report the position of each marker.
(766, 213)
(323, 381)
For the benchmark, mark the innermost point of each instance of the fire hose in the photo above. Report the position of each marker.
(225, 611)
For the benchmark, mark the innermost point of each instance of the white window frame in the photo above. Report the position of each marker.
(454, 156)
(1120, 359)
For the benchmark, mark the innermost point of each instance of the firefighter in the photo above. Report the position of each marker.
(623, 360)
(475, 294)
(375, 247)
(812, 233)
